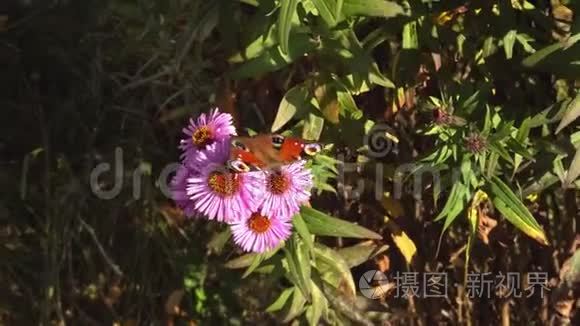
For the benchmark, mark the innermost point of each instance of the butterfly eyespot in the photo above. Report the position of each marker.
(238, 166)
(277, 141)
(238, 144)
(312, 149)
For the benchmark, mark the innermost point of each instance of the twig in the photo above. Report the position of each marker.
(147, 64)
(100, 247)
(172, 97)
(146, 80)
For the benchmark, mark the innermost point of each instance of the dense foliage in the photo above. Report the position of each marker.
(450, 139)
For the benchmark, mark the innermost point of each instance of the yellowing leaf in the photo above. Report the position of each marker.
(444, 17)
(532, 197)
(402, 241)
(479, 197)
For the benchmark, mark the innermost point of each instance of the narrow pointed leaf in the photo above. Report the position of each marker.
(327, 10)
(287, 11)
(361, 252)
(451, 202)
(574, 170)
(298, 260)
(320, 223)
(571, 114)
(302, 229)
(319, 304)
(376, 8)
(255, 264)
(296, 306)
(514, 210)
(508, 43)
(540, 55)
(241, 262)
(281, 300)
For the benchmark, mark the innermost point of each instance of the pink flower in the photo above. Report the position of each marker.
(219, 193)
(178, 189)
(259, 233)
(206, 130)
(287, 188)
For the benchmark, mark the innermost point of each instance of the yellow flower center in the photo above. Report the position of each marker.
(225, 184)
(202, 136)
(278, 183)
(259, 223)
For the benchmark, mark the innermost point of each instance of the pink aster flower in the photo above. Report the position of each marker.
(205, 131)
(286, 189)
(219, 193)
(259, 233)
(178, 188)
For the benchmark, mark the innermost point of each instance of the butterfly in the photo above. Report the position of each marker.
(268, 151)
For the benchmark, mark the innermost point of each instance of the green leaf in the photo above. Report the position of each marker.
(501, 151)
(518, 148)
(327, 10)
(487, 123)
(454, 204)
(241, 262)
(334, 270)
(320, 223)
(347, 103)
(260, 45)
(298, 263)
(540, 55)
(502, 133)
(256, 261)
(296, 306)
(410, 37)
(489, 47)
(302, 229)
(287, 12)
(574, 170)
(571, 114)
(313, 127)
(373, 8)
(375, 76)
(361, 252)
(319, 304)
(295, 100)
(524, 40)
(274, 59)
(508, 43)
(457, 202)
(514, 210)
(356, 84)
(252, 260)
(281, 300)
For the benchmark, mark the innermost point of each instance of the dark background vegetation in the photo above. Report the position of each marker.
(79, 79)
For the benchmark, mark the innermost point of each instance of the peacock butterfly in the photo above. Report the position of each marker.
(268, 151)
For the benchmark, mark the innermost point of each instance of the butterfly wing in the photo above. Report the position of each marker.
(267, 151)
